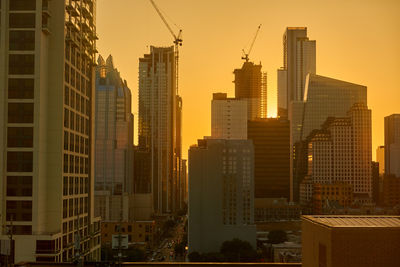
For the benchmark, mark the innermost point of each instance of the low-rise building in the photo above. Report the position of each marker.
(350, 241)
(275, 209)
(334, 194)
(140, 233)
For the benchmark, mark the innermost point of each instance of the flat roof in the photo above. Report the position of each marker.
(354, 220)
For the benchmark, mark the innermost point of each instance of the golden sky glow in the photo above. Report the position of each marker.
(357, 41)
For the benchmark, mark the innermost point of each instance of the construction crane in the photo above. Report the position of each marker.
(177, 42)
(246, 55)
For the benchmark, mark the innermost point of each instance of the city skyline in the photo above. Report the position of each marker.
(343, 50)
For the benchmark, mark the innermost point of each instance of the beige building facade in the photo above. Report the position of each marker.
(47, 53)
(350, 241)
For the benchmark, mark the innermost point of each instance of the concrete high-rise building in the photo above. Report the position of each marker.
(380, 157)
(271, 157)
(251, 85)
(114, 143)
(47, 54)
(221, 194)
(324, 97)
(158, 124)
(299, 59)
(392, 145)
(342, 152)
(228, 117)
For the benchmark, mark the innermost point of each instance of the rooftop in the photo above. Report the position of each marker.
(354, 221)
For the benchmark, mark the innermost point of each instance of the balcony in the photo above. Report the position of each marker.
(72, 9)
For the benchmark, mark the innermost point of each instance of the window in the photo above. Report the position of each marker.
(20, 137)
(21, 64)
(66, 95)
(65, 208)
(22, 20)
(22, 40)
(65, 186)
(65, 163)
(66, 140)
(20, 112)
(19, 210)
(19, 186)
(22, 229)
(66, 73)
(66, 117)
(23, 5)
(19, 161)
(20, 88)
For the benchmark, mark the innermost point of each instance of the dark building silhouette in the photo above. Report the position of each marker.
(375, 182)
(392, 145)
(271, 139)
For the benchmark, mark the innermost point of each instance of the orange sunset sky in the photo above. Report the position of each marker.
(357, 41)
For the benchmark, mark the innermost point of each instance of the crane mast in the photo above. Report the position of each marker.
(177, 42)
(246, 55)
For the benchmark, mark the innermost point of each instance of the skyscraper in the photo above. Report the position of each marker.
(326, 97)
(228, 117)
(221, 193)
(392, 145)
(158, 122)
(47, 54)
(114, 143)
(299, 59)
(342, 152)
(251, 85)
(271, 142)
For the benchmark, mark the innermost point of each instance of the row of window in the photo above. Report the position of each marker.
(75, 79)
(76, 101)
(76, 122)
(76, 164)
(74, 207)
(76, 143)
(80, 186)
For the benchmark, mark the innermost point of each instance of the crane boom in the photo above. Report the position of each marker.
(177, 41)
(165, 21)
(246, 55)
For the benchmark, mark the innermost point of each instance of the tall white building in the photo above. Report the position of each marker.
(228, 117)
(158, 124)
(299, 59)
(221, 194)
(47, 54)
(342, 151)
